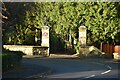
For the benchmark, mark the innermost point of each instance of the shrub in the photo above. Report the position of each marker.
(90, 52)
(10, 59)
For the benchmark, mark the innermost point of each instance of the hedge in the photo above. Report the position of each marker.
(10, 59)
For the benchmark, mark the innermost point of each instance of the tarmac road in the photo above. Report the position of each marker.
(72, 69)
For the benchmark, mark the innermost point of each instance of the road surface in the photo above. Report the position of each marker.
(72, 68)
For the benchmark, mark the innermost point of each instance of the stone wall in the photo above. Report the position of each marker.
(29, 50)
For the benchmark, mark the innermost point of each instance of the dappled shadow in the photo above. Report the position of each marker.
(60, 68)
(26, 70)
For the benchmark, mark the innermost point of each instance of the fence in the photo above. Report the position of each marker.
(110, 48)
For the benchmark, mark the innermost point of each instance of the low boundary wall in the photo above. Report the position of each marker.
(29, 50)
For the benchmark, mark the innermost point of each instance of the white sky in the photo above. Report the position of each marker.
(60, 0)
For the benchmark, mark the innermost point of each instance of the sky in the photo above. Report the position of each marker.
(60, 0)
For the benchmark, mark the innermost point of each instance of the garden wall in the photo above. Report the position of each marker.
(29, 50)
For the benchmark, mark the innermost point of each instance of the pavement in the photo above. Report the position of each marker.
(66, 68)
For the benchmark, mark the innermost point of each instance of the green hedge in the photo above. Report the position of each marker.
(10, 59)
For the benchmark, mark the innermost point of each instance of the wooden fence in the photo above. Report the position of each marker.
(110, 48)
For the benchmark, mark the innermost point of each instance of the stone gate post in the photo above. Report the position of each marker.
(82, 35)
(45, 37)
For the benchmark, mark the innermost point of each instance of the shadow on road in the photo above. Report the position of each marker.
(66, 68)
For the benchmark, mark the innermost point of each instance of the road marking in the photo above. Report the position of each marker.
(106, 72)
(109, 67)
(90, 76)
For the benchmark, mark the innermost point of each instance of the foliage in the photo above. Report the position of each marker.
(64, 19)
(17, 32)
(103, 16)
(91, 52)
(10, 59)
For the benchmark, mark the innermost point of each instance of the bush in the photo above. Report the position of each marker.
(10, 59)
(90, 52)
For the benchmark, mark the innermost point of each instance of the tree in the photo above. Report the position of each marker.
(64, 19)
(16, 31)
(103, 16)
